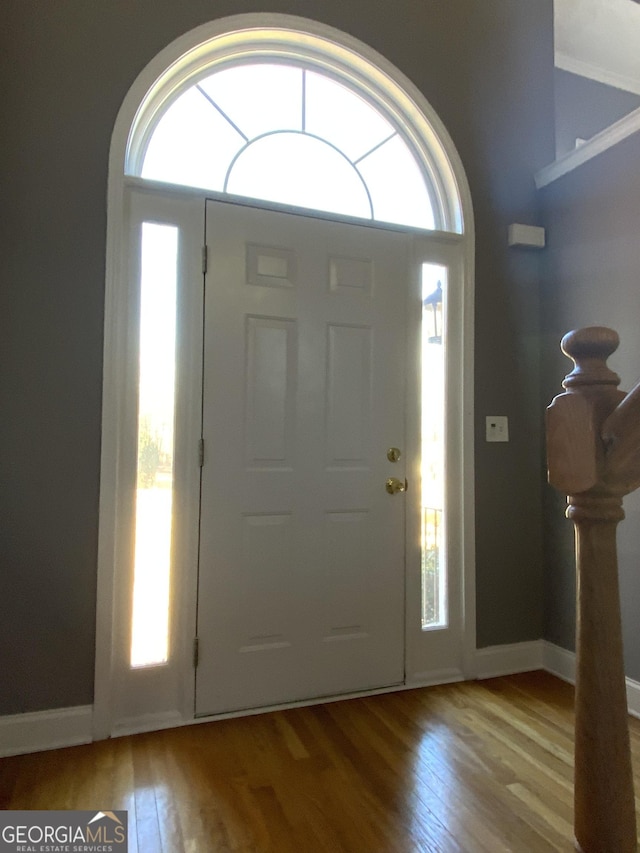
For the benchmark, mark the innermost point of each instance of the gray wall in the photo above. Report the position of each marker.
(585, 107)
(592, 277)
(65, 67)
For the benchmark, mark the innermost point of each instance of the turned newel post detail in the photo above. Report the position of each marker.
(593, 451)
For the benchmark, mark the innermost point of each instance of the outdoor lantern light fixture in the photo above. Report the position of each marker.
(434, 329)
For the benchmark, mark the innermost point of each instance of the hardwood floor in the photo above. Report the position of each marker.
(480, 767)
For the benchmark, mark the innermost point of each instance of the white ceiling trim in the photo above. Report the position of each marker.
(602, 141)
(597, 73)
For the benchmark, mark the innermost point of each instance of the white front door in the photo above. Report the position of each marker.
(301, 569)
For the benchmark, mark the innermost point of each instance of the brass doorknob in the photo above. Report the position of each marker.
(394, 485)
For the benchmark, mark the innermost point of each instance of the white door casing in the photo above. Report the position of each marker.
(130, 700)
(301, 579)
(149, 698)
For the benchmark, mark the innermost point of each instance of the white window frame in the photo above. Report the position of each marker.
(125, 699)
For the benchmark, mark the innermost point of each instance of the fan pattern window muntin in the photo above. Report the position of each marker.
(206, 135)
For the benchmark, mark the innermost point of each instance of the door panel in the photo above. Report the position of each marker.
(301, 579)
(270, 379)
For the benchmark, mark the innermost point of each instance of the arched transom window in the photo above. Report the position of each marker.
(298, 115)
(288, 134)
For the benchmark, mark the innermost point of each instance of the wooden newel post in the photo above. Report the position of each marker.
(593, 451)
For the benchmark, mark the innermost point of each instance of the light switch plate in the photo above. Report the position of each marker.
(497, 428)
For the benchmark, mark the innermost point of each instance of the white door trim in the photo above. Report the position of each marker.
(119, 691)
(433, 650)
(120, 348)
(154, 698)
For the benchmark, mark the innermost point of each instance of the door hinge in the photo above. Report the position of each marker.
(205, 258)
(201, 453)
(196, 652)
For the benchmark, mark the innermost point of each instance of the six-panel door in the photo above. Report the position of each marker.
(301, 571)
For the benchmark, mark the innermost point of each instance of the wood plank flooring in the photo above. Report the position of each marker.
(479, 767)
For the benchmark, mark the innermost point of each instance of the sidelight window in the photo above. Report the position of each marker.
(154, 482)
(433, 562)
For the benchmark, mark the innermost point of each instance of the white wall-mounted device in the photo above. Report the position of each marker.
(497, 427)
(531, 236)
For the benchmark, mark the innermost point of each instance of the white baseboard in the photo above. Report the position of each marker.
(149, 723)
(559, 662)
(495, 661)
(540, 654)
(34, 732)
(633, 697)
(562, 663)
